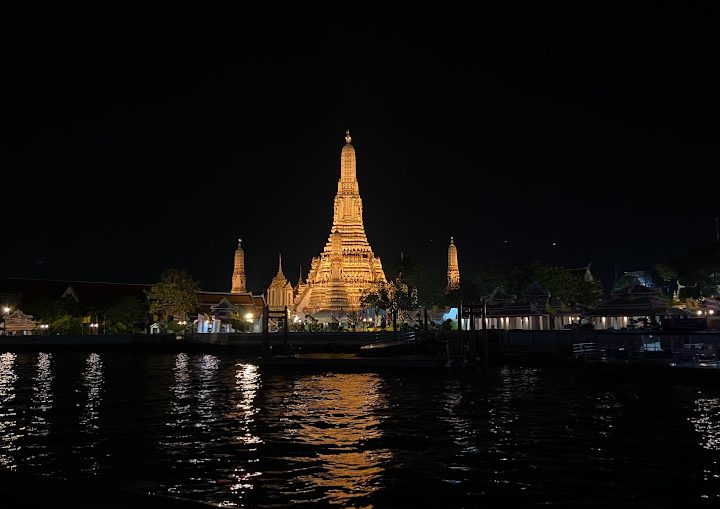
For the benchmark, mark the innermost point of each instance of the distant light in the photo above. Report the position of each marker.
(554, 243)
(6, 309)
(699, 312)
(711, 311)
(249, 317)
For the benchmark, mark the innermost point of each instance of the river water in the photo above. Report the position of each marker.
(217, 428)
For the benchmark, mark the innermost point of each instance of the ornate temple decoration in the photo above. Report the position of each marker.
(238, 277)
(280, 291)
(347, 268)
(453, 270)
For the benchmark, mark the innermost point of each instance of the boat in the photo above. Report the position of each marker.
(695, 355)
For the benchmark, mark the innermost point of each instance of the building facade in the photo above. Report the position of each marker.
(280, 293)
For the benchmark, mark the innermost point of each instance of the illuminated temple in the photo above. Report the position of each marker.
(347, 268)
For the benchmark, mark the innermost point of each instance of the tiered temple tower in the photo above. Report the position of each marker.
(453, 270)
(347, 268)
(238, 277)
(280, 291)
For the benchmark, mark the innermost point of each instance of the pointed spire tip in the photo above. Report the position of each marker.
(348, 139)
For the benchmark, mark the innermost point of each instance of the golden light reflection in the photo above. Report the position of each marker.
(338, 415)
(9, 432)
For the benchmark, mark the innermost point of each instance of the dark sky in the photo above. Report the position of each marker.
(133, 141)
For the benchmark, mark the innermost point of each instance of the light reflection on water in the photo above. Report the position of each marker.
(242, 414)
(511, 439)
(90, 393)
(218, 429)
(9, 429)
(706, 421)
(92, 386)
(41, 403)
(336, 417)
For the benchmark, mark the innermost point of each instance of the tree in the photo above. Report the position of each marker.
(66, 325)
(667, 273)
(49, 310)
(174, 295)
(516, 278)
(62, 315)
(121, 316)
(238, 322)
(429, 285)
(698, 270)
(391, 297)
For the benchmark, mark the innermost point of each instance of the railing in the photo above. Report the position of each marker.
(590, 352)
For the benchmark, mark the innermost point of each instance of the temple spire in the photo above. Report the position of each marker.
(453, 270)
(347, 268)
(238, 277)
(348, 177)
(280, 263)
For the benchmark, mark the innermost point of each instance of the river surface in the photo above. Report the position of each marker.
(217, 428)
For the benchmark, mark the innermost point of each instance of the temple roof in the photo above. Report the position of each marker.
(630, 306)
(498, 295)
(280, 280)
(94, 293)
(583, 272)
(212, 298)
(536, 291)
(637, 289)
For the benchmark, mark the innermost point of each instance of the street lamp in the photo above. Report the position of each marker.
(6, 311)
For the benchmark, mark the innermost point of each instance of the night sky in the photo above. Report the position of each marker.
(134, 141)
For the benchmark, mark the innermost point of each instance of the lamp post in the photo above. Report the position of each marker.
(6, 311)
(707, 313)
